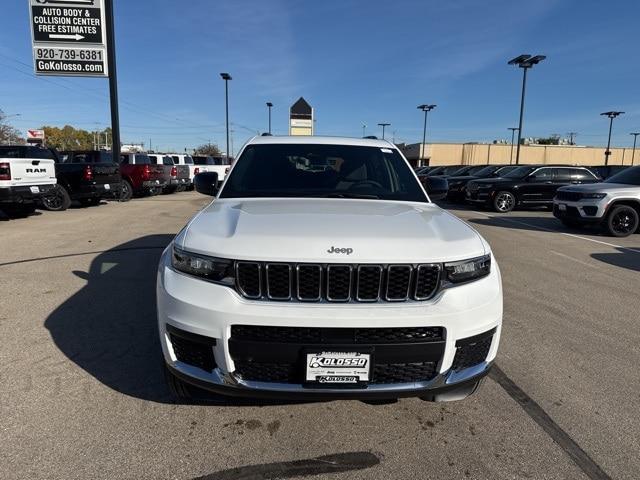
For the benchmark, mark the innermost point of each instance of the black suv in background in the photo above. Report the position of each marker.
(606, 171)
(458, 182)
(527, 185)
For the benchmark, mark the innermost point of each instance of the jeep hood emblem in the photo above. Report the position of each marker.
(347, 251)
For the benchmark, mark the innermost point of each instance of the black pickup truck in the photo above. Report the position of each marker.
(86, 176)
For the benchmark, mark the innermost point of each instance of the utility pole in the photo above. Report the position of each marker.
(571, 137)
(269, 105)
(611, 115)
(633, 152)
(426, 109)
(513, 131)
(364, 130)
(113, 80)
(226, 77)
(525, 62)
(383, 125)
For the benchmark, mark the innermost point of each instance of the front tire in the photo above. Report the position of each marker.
(178, 389)
(622, 221)
(57, 200)
(504, 202)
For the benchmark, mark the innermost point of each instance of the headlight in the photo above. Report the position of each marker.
(467, 270)
(596, 196)
(217, 270)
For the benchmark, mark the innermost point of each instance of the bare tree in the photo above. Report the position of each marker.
(8, 133)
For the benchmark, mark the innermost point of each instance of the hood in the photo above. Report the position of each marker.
(462, 178)
(597, 187)
(304, 230)
(496, 180)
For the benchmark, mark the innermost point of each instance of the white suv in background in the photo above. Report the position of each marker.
(613, 204)
(323, 270)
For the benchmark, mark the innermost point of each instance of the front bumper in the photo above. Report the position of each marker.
(209, 311)
(24, 193)
(478, 196)
(581, 211)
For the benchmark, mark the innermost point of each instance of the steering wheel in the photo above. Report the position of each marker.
(363, 183)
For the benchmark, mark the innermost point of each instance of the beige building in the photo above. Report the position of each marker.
(478, 154)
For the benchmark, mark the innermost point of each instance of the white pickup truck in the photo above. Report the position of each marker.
(207, 163)
(26, 174)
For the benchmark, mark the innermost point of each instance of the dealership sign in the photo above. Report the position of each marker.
(69, 37)
(35, 136)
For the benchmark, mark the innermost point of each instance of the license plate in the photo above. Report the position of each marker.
(562, 207)
(107, 186)
(35, 189)
(338, 367)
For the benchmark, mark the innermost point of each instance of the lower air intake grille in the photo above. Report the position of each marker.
(470, 354)
(193, 349)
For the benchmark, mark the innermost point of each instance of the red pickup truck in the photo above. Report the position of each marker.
(141, 175)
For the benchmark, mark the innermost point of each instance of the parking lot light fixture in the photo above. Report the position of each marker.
(633, 152)
(383, 125)
(611, 115)
(226, 77)
(525, 62)
(426, 109)
(269, 105)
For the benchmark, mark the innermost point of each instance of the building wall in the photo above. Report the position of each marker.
(478, 154)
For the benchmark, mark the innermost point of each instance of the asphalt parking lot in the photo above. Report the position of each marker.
(82, 393)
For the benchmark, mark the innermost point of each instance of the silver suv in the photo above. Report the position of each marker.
(614, 203)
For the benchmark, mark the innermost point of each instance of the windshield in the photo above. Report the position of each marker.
(315, 170)
(486, 171)
(519, 172)
(629, 176)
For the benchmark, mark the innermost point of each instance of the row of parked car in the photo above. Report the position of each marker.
(32, 176)
(607, 195)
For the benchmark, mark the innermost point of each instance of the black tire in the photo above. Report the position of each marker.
(504, 202)
(622, 221)
(179, 390)
(126, 191)
(57, 200)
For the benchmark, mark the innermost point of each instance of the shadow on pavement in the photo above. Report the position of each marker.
(109, 327)
(623, 259)
(533, 223)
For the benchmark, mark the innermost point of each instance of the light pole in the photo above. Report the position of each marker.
(513, 131)
(525, 62)
(269, 105)
(383, 125)
(364, 130)
(226, 77)
(633, 152)
(426, 109)
(611, 116)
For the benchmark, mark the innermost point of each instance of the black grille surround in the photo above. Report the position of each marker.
(568, 195)
(361, 283)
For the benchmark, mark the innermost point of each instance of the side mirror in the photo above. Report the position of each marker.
(437, 187)
(206, 183)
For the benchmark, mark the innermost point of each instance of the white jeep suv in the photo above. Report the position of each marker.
(613, 204)
(323, 270)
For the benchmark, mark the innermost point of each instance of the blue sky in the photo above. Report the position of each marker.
(354, 61)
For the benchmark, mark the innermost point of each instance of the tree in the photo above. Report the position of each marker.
(8, 134)
(552, 140)
(70, 138)
(208, 149)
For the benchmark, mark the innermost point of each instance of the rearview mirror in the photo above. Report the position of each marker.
(437, 187)
(206, 183)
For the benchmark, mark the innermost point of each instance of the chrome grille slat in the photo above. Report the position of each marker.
(309, 282)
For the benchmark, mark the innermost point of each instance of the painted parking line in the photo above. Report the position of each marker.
(538, 227)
